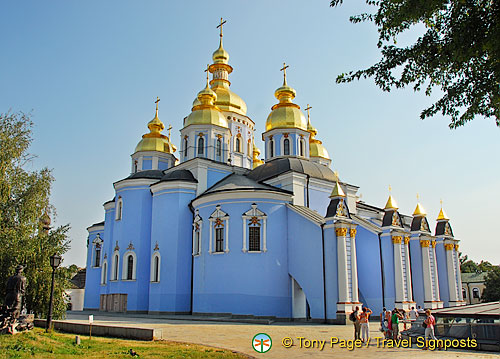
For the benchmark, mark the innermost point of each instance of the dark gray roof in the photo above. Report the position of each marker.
(98, 224)
(481, 310)
(79, 279)
(236, 182)
(441, 228)
(332, 208)
(279, 166)
(153, 174)
(179, 175)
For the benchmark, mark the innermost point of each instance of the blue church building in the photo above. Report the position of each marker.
(211, 229)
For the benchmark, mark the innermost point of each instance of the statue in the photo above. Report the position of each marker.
(10, 313)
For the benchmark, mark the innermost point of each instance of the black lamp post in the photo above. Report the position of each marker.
(55, 261)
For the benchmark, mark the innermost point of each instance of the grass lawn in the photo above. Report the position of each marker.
(38, 344)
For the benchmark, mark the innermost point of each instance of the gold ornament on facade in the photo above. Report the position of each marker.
(256, 153)
(448, 246)
(425, 243)
(396, 239)
(352, 233)
(433, 243)
(341, 232)
(407, 239)
(456, 247)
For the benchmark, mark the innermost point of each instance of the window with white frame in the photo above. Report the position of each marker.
(97, 249)
(286, 147)
(104, 272)
(237, 145)
(129, 265)
(219, 231)
(115, 268)
(302, 147)
(271, 147)
(119, 209)
(475, 293)
(201, 145)
(254, 230)
(155, 267)
(185, 147)
(218, 147)
(197, 227)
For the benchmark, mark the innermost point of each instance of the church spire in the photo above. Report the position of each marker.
(419, 210)
(337, 190)
(442, 215)
(391, 202)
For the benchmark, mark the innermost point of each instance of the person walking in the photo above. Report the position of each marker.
(354, 318)
(383, 322)
(430, 321)
(413, 315)
(396, 316)
(365, 328)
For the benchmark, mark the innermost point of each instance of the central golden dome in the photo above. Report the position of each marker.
(285, 114)
(204, 111)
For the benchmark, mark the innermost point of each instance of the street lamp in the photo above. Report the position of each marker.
(55, 261)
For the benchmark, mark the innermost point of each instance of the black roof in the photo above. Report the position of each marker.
(237, 182)
(153, 174)
(179, 175)
(441, 228)
(332, 208)
(79, 279)
(279, 166)
(387, 220)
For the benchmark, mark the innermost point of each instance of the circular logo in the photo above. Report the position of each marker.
(262, 343)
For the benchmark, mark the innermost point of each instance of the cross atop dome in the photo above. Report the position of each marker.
(285, 66)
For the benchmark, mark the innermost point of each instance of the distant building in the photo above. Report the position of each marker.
(473, 287)
(77, 292)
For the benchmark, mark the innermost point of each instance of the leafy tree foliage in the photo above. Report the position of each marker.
(24, 200)
(459, 53)
(491, 292)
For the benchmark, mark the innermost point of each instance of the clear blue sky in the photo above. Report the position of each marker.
(90, 70)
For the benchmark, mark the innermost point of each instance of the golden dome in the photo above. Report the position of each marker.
(419, 210)
(204, 112)
(220, 56)
(155, 140)
(285, 114)
(442, 215)
(316, 148)
(391, 203)
(256, 153)
(227, 100)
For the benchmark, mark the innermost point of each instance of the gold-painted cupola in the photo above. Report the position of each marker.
(338, 204)
(391, 214)
(419, 222)
(154, 151)
(317, 152)
(443, 227)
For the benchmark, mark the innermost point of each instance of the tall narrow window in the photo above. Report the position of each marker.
(119, 209)
(301, 147)
(254, 239)
(271, 147)
(201, 145)
(130, 267)
(97, 261)
(475, 293)
(286, 147)
(104, 272)
(218, 147)
(238, 145)
(197, 242)
(219, 239)
(115, 266)
(156, 277)
(185, 147)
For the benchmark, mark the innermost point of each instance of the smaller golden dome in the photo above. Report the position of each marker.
(419, 210)
(337, 191)
(442, 215)
(220, 56)
(155, 140)
(256, 153)
(204, 112)
(391, 203)
(316, 149)
(285, 114)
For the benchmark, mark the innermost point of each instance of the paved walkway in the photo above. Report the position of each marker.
(238, 337)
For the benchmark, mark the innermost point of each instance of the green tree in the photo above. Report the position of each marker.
(459, 52)
(24, 201)
(469, 267)
(491, 291)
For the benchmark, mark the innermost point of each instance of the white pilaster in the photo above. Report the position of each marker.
(354, 266)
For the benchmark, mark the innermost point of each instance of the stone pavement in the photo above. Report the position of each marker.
(238, 337)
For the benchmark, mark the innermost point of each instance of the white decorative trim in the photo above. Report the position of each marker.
(197, 221)
(282, 145)
(223, 216)
(108, 206)
(119, 209)
(131, 182)
(115, 266)
(157, 187)
(104, 270)
(255, 212)
(232, 195)
(96, 228)
(125, 265)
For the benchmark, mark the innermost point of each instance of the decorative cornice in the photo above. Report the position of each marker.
(456, 247)
(407, 239)
(433, 243)
(448, 246)
(352, 233)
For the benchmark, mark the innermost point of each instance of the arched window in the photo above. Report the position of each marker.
(475, 293)
(238, 145)
(254, 222)
(271, 148)
(301, 147)
(130, 267)
(286, 147)
(219, 231)
(218, 147)
(185, 147)
(104, 272)
(155, 267)
(116, 261)
(201, 145)
(197, 225)
(97, 259)
(119, 209)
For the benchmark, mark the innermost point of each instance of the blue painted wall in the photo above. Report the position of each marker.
(369, 272)
(388, 265)
(416, 270)
(215, 175)
(93, 274)
(331, 271)
(444, 291)
(238, 282)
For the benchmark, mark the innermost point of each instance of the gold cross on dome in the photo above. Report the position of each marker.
(418, 197)
(156, 102)
(308, 114)
(207, 71)
(390, 189)
(222, 22)
(285, 66)
(336, 175)
(169, 128)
